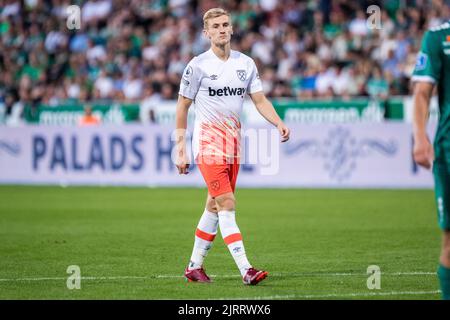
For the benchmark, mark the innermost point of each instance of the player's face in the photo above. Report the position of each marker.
(219, 30)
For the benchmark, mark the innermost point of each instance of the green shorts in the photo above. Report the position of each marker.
(441, 175)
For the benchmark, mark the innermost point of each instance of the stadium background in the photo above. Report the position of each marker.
(343, 87)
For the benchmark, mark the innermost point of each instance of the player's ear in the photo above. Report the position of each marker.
(206, 34)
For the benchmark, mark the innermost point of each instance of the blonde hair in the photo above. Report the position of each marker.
(214, 13)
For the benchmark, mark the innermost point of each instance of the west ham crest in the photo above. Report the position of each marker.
(215, 185)
(242, 74)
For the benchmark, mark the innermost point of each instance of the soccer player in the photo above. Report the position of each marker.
(433, 69)
(217, 82)
(88, 118)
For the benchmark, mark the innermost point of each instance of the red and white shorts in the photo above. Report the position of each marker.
(220, 177)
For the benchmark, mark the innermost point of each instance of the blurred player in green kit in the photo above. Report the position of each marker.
(433, 69)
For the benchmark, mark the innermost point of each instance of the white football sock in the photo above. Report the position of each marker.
(204, 237)
(233, 239)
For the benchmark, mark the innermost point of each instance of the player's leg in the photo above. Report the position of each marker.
(232, 237)
(444, 267)
(230, 231)
(208, 224)
(442, 192)
(226, 205)
(220, 180)
(204, 236)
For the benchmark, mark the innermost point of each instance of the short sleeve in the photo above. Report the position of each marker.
(190, 81)
(428, 62)
(254, 84)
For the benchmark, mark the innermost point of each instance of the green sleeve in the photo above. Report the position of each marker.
(428, 63)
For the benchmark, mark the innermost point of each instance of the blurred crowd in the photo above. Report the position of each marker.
(135, 51)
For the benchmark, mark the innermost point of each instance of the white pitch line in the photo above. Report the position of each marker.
(32, 279)
(337, 274)
(82, 278)
(165, 276)
(332, 295)
(162, 276)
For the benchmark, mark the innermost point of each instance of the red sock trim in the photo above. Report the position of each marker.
(232, 238)
(204, 235)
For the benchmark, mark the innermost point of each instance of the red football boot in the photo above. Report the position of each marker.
(196, 275)
(253, 276)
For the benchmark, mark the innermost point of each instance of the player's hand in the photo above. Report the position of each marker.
(423, 152)
(284, 132)
(182, 164)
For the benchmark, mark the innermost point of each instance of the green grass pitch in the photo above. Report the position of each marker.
(134, 243)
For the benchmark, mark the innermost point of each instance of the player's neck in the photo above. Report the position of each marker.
(222, 52)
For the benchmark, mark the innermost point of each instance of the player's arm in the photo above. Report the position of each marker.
(425, 76)
(266, 109)
(182, 109)
(423, 149)
(189, 86)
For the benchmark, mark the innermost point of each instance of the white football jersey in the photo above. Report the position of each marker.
(218, 89)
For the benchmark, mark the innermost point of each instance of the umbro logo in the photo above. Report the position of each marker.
(213, 77)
